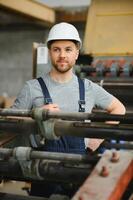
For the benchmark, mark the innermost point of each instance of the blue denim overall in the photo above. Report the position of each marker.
(67, 144)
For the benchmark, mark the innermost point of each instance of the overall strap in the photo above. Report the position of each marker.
(45, 91)
(81, 95)
(66, 143)
(48, 98)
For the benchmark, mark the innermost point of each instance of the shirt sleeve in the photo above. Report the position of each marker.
(102, 97)
(24, 98)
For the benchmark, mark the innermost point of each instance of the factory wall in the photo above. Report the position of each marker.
(16, 58)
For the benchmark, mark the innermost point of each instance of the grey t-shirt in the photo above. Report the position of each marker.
(66, 95)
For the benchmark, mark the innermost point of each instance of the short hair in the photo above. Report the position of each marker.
(77, 44)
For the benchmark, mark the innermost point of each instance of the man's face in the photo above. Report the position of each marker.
(63, 55)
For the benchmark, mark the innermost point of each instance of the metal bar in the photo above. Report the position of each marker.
(97, 116)
(18, 125)
(76, 158)
(109, 145)
(63, 127)
(15, 112)
(47, 169)
(81, 129)
(68, 173)
(6, 153)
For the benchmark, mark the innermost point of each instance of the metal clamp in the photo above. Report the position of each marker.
(46, 127)
(22, 153)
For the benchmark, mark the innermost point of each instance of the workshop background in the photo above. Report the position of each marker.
(105, 27)
(106, 57)
(20, 26)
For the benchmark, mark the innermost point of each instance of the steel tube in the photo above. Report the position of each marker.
(81, 129)
(48, 170)
(75, 158)
(63, 127)
(64, 173)
(96, 116)
(15, 112)
(100, 117)
(6, 153)
(20, 125)
(118, 145)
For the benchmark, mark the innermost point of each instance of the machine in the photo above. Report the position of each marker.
(95, 176)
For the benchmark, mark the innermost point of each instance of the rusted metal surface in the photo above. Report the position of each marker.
(109, 179)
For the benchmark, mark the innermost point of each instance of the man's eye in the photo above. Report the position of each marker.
(68, 50)
(55, 50)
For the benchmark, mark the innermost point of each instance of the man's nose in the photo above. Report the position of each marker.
(62, 54)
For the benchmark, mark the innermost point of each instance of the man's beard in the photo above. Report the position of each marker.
(62, 69)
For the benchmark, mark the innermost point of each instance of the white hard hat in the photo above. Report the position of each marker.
(63, 31)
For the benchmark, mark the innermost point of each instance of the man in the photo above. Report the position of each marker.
(63, 90)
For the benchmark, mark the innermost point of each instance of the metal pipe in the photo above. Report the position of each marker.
(81, 129)
(6, 153)
(97, 116)
(75, 158)
(62, 127)
(10, 168)
(109, 145)
(18, 125)
(64, 173)
(54, 171)
(15, 112)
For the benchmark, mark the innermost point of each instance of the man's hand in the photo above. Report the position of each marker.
(51, 107)
(93, 143)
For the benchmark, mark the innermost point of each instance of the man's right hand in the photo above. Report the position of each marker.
(51, 107)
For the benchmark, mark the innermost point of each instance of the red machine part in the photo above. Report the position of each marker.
(109, 179)
(111, 68)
